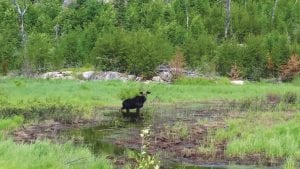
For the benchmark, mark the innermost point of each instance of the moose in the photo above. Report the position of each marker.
(136, 102)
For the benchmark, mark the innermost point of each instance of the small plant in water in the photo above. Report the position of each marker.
(177, 131)
(146, 161)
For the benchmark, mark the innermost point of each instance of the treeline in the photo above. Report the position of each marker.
(135, 36)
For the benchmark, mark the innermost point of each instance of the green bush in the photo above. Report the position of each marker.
(137, 53)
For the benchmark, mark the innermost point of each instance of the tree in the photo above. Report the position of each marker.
(39, 46)
(120, 6)
(274, 9)
(8, 37)
(228, 54)
(21, 10)
(227, 19)
(111, 50)
(254, 58)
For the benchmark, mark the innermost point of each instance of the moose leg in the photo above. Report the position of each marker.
(138, 112)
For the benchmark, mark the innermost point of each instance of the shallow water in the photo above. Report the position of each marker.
(100, 139)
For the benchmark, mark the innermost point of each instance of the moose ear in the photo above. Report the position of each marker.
(148, 92)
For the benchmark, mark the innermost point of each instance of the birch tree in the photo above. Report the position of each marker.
(186, 5)
(21, 10)
(227, 19)
(274, 9)
(21, 13)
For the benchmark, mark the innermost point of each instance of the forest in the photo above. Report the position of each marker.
(104, 109)
(135, 36)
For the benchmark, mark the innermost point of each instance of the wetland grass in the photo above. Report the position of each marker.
(271, 134)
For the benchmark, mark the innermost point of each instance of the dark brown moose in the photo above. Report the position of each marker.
(136, 102)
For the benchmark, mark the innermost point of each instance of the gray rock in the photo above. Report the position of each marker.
(131, 77)
(138, 78)
(166, 76)
(157, 79)
(57, 75)
(87, 75)
(108, 76)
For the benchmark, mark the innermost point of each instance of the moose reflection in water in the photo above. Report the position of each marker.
(136, 102)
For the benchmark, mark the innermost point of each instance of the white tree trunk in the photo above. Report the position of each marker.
(187, 14)
(21, 13)
(274, 9)
(227, 19)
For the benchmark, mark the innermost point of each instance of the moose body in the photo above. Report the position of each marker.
(135, 103)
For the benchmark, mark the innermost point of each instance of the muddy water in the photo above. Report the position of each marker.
(100, 140)
(122, 136)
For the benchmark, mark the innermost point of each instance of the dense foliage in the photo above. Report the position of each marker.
(135, 36)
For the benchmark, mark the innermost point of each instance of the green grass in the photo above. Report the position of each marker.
(273, 134)
(19, 92)
(44, 154)
(11, 123)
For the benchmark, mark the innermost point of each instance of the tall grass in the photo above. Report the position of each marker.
(270, 134)
(11, 123)
(45, 155)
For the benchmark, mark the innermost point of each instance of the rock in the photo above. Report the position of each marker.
(67, 73)
(237, 82)
(166, 76)
(87, 75)
(138, 78)
(112, 76)
(157, 79)
(49, 75)
(109, 76)
(131, 77)
(57, 75)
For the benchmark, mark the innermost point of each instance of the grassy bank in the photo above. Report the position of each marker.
(268, 134)
(19, 92)
(43, 154)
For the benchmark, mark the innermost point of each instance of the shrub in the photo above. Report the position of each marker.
(177, 64)
(234, 72)
(290, 70)
(254, 58)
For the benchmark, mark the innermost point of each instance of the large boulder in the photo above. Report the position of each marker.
(166, 76)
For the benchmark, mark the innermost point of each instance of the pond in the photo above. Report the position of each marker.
(122, 137)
